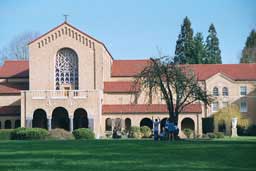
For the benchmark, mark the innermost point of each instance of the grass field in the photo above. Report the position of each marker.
(130, 155)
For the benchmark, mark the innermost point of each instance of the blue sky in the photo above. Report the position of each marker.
(134, 29)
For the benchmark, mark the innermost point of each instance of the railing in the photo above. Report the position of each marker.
(58, 94)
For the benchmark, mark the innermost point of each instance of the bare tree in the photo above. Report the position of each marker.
(18, 47)
(177, 84)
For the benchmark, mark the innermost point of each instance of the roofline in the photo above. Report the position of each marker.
(74, 29)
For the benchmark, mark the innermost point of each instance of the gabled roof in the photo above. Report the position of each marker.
(13, 88)
(15, 69)
(120, 87)
(234, 71)
(145, 108)
(130, 68)
(65, 23)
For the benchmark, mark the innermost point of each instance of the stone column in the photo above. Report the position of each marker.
(49, 123)
(91, 124)
(71, 124)
(122, 124)
(29, 122)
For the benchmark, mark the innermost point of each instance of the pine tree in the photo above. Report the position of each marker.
(199, 51)
(184, 44)
(212, 47)
(249, 51)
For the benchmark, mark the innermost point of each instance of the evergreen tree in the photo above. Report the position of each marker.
(184, 44)
(249, 51)
(199, 51)
(212, 47)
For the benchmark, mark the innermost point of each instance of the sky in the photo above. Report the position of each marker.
(134, 29)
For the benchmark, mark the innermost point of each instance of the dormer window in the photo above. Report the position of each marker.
(225, 91)
(215, 91)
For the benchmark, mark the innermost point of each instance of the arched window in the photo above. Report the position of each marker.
(215, 91)
(225, 91)
(108, 124)
(66, 69)
(128, 124)
(7, 124)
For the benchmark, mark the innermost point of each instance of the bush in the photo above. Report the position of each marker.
(251, 131)
(84, 133)
(29, 134)
(134, 132)
(210, 135)
(60, 134)
(219, 134)
(145, 132)
(5, 134)
(188, 132)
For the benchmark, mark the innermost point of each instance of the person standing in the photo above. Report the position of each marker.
(156, 123)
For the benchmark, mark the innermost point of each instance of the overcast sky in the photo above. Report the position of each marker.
(134, 29)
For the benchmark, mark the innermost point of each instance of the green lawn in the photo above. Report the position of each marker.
(227, 154)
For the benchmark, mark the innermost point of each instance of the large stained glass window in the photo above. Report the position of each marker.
(66, 69)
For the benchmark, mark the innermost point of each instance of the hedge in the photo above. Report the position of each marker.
(134, 132)
(5, 134)
(29, 134)
(84, 133)
(145, 132)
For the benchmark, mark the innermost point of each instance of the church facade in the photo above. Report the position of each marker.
(72, 81)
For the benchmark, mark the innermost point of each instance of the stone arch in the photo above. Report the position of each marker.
(8, 124)
(39, 119)
(188, 123)
(127, 123)
(146, 122)
(60, 118)
(118, 124)
(108, 124)
(80, 119)
(17, 123)
(66, 69)
(162, 124)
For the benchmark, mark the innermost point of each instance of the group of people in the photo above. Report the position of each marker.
(169, 130)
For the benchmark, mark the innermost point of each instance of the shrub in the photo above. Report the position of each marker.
(5, 134)
(210, 135)
(134, 132)
(29, 134)
(251, 131)
(219, 134)
(60, 134)
(145, 131)
(188, 132)
(84, 133)
(205, 136)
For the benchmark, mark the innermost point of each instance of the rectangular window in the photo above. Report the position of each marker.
(243, 91)
(243, 106)
(215, 106)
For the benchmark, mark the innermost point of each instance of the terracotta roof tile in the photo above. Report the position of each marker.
(15, 69)
(145, 108)
(7, 88)
(129, 68)
(9, 110)
(120, 87)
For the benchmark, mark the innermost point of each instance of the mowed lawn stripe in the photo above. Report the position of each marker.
(127, 155)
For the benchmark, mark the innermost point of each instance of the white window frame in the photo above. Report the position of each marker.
(213, 107)
(245, 107)
(241, 91)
